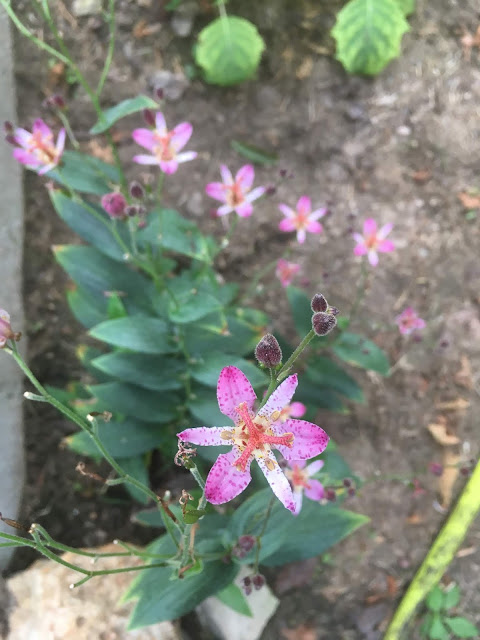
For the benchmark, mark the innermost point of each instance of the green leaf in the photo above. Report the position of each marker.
(406, 6)
(229, 50)
(254, 154)
(127, 399)
(98, 274)
(150, 372)
(125, 108)
(435, 599)
(426, 624)
(90, 223)
(88, 309)
(462, 627)
(360, 352)
(135, 466)
(438, 630)
(138, 333)
(192, 301)
(207, 369)
(317, 397)
(327, 373)
(150, 518)
(300, 309)
(335, 466)
(167, 229)
(368, 34)
(121, 439)
(203, 405)
(452, 596)
(233, 597)
(85, 173)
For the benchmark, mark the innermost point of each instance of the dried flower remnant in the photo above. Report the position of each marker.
(301, 219)
(37, 149)
(409, 321)
(268, 351)
(115, 205)
(373, 241)
(253, 436)
(236, 193)
(300, 476)
(6, 332)
(286, 271)
(164, 145)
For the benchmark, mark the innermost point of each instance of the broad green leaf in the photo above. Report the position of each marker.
(462, 628)
(136, 467)
(207, 369)
(426, 624)
(335, 466)
(407, 6)
(203, 405)
(300, 309)
(438, 630)
(368, 34)
(452, 596)
(85, 173)
(115, 307)
(127, 399)
(90, 223)
(191, 301)
(315, 396)
(98, 274)
(435, 599)
(169, 230)
(233, 597)
(360, 352)
(137, 333)
(254, 154)
(150, 518)
(125, 108)
(327, 373)
(150, 372)
(121, 439)
(87, 308)
(229, 50)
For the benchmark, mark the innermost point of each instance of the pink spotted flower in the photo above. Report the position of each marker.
(300, 476)
(409, 321)
(37, 149)
(164, 145)
(236, 193)
(302, 219)
(254, 436)
(286, 271)
(373, 241)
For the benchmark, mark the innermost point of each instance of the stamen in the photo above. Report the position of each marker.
(227, 435)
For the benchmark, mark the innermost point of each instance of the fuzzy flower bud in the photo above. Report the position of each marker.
(247, 585)
(268, 351)
(6, 332)
(258, 581)
(136, 190)
(319, 303)
(8, 126)
(323, 323)
(114, 204)
(149, 117)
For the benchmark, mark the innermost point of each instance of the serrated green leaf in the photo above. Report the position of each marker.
(233, 597)
(327, 373)
(368, 34)
(125, 108)
(300, 309)
(435, 599)
(147, 371)
(360, 352)
(137, 333)
(85, 173)
(128, 399)
(229, 50)
(462, 628)
(254, 154)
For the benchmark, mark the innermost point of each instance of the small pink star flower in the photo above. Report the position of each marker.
(372, 241)
(301, 481)
(237, 194)
(6, 332)
(286, 271)
(301, 220)
(409, 321)
(253, 437)
(37, 149)
(164, 145)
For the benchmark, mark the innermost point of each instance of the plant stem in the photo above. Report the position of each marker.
(111, 47)
(360, 290)
(259, 537)
(439, 556)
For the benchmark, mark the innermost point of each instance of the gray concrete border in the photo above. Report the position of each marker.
(11, 246)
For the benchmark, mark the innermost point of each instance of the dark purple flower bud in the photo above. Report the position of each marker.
(136, 190)
(333, 310)
(258, 581)
(351, 492)
(131, 210)
(158, 93)
(10, 138)
(347, 482)
(58, 101)
(149, 117)
(330, 495)
(283, 173)
(323, 323)
(465, 471)
(435, 468)
(319, 303)
(246, 542)
(268, 351)
(271, 190)
(8, 126)
(247, 585)
(114, 204)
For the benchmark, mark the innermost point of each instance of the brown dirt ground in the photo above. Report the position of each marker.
(399, 148)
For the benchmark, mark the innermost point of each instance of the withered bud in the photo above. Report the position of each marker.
(268, 351)
(330, 495)
(136, 190)
(149, 117)
(159, 93)
(319, 303)
(323, 323)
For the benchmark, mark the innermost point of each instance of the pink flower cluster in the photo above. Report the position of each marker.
(37, 149)
(253, 436)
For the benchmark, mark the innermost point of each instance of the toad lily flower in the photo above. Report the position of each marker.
(37, 149)
(6, 332)
(237, 194)
(372, 241)
(286, 271)
(164, 145)
(253, 436)
(301, 220)
(409, 321)
(301, 480)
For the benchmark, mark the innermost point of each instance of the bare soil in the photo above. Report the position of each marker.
(399, 148)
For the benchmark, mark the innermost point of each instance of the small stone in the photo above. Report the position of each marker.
(86, 7)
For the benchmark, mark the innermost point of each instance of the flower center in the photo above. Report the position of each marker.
(163, 149)
(254, 438)
(235, 195)
(371, 241)
(301, 220)
(41, 146)
(298, 477)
